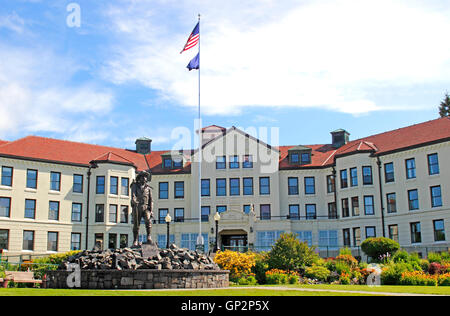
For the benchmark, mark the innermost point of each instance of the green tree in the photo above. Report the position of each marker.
(289, 253)
(444, 108)
(378, 246)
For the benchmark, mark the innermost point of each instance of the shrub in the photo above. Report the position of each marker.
(418, 278)
(436, 268)
(392, 273)
(40, 265)
(345, 252)
(348, 260)
(290, 254)
(239, 264)
(260, 267)
(379, 246)
(276, 276)
(249, 280)
(316, 272)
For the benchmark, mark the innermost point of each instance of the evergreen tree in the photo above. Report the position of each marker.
(444, 108)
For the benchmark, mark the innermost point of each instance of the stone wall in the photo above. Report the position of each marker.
(141, 279)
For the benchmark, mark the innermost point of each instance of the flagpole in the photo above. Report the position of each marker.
(200, 240)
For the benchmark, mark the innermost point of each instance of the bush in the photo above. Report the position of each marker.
(379, 246)
(239, 264)
(260, 267)
(249, 280)
(392, 273)
(290, 254)
(41, 265)
(316, 272)
(276, 276)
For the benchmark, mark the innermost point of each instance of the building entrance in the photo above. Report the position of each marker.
(234, 242)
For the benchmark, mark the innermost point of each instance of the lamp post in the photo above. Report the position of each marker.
(217, 219)
(168, 219)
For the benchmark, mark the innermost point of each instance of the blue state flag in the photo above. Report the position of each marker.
(194, 63)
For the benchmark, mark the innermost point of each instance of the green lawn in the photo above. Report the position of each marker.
(287, 290)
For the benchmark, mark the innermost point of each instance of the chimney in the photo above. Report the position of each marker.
(340, 137)
(143, 145)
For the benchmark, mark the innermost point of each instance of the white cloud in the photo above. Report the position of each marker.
(36, 95)
(12, 22)
(327, 54)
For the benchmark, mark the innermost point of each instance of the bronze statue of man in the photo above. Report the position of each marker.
(142, 205)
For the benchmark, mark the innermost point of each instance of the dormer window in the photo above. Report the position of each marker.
(300, 155)
(172, 161)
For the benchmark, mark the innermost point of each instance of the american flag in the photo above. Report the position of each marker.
(193, 38)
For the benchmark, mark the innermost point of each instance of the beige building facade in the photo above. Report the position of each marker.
(57, 196)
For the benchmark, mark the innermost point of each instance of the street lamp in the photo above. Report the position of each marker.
(217, 219)
(168, 219)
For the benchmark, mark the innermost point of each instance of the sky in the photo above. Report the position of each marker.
(110, 71)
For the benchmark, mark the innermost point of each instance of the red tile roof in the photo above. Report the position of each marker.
(68, 152)
(3, 142)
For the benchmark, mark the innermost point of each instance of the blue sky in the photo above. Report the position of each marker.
(306, 67)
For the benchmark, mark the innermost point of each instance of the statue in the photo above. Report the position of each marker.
(142, 205)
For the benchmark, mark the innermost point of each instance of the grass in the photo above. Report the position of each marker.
(267, 290)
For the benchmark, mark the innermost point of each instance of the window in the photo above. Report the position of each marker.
(293, 186)
(436, 196)
(305, 236)
(75, 241)
(346, 237)
(306, 158)
(163, 192)
(264, 185)
(433, 164)
(356, 236)
(345, 208)
(248, 186)
(328, 238)
(179, 189)
(389, 172)
(179, 215)
(55, 181)
(235, 187)
(247, 209)
(332, 211)
(167, 163)
(112, 241)
(311, 211)
(248, 161)
(310, 185)
(32, 178)
(206, 187)
(391, 199)
(294, 211)
(393, 232)
(124, 214)
(439, 230)
(234, 162)
(99, 213)
(162, 213)
(369, 208)
(344, 179)
(353, 177)
(295, 158)
(113, 213)
(221, 187)
(5, 206)
(221, 208)
(28, 240)
(53, 210)
(52, 241)
(416, 235)
(355, 206)
(221, 162)
(371, 232)
(30, 209)
(206, 210)
(114, 185)
(413, 200)
(265, 211)
(367, 175)
(124, 186)
(100, 185)
(189, 241)
(4, 238)
(330, 184)
(177, 163)
(410, 168)
(76, 212)
(77, 183)
(265, 239)
(123, 240)
(162, 240)
(98, 240)
(7, 175)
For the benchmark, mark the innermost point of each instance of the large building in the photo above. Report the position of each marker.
(58, 195)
